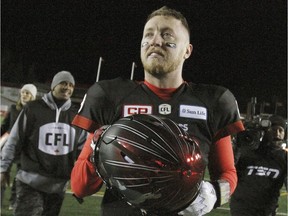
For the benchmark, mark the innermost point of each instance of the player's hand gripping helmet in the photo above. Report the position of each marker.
(151, 162)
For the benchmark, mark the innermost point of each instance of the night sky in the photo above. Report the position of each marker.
(241, 45)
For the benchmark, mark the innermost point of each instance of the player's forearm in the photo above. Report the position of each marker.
(231, 177)
(223, 167)
(84, 179)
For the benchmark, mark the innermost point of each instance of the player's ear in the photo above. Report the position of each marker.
(188, 52)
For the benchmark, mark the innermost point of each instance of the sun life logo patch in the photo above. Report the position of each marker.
(194, 112)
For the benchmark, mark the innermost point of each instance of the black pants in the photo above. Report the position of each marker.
(32, 202)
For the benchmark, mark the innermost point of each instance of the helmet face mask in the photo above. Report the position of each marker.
(151, 162)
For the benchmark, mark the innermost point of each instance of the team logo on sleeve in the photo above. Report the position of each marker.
(194, 112)
(137, 109)
(164, 109)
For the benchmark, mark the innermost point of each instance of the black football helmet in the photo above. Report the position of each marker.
(151, 162)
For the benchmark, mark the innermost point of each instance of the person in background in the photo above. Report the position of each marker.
(262, 172)
(208, 113)
(28, 92)
(48, 147)
(278, 130)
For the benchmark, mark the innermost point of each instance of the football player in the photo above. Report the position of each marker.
(209, 113)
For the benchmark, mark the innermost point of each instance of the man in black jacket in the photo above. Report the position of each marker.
(261, 171)
(48, 146)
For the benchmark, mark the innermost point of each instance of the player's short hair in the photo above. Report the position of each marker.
(166, 11)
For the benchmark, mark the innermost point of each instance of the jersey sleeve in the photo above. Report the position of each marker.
(226, 119)
(94, 111)
(226, 116)
(84, 179)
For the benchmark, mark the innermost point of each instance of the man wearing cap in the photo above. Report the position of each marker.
(278, 131)
(48, 145)
(262, 172)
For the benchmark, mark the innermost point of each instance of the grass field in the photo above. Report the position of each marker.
(91, 205)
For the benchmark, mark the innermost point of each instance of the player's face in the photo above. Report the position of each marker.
(165, 45)
(63, 91)
(25, 96)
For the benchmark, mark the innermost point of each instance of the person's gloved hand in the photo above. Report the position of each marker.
(203, 203)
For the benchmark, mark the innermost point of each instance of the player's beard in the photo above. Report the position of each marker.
(157, 68)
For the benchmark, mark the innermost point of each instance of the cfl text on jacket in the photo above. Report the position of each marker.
(56, 139)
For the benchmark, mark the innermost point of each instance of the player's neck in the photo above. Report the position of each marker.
(163, 93)
(171, 80)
